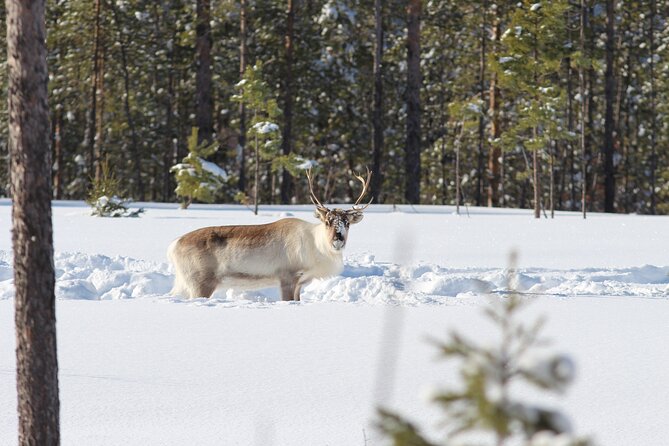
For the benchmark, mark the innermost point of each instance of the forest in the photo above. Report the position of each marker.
(551, 105)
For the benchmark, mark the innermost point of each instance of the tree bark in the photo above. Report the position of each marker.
(413, 137)
(242, 107)
(609, 93)
(551, 179)
(32, 236)
(535, 177)
(91, 127)
(134, 142)
(99, 120)
(171, 133)
(535, 134)
(568, 163)
(58, 155)
(287, 140)
(377, 113)
(570, 129)
(495, 151)
(583, 92)
(480, 168)
(458, 185)
(256, 177)
(653, 113)
(205, 102)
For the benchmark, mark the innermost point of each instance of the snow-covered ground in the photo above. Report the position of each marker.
(139, 367)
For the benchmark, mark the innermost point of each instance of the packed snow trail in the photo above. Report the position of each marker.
(98, 277)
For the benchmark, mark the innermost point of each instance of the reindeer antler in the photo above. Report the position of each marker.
(365, 186)
(312, 195)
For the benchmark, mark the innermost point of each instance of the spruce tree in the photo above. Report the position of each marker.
(197, 178)
(484, 404)
(528, 69)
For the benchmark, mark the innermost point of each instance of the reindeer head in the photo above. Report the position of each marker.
(338, 220)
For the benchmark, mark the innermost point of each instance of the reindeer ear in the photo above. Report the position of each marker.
(354, 216)
(320, 214)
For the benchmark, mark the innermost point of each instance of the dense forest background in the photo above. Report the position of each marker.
(552, 105)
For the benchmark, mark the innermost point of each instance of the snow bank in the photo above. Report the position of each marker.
(97, 277)
(364, 280)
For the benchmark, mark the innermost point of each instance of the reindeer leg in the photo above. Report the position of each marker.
(205, 290)
(299, 283)
(287, 288)
(290, 286)
(204, 285)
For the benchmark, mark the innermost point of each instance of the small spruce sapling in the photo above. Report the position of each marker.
(483, 406)
(197, 178)
(260, 101)
(103, 196)
(255, 94)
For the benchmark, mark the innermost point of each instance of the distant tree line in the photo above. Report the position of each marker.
(535, 104)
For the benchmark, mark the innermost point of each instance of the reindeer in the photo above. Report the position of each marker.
(289, 252)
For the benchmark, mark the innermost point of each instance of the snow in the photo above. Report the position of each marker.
(184, 167)
(265, 127)
(214, 169)
(306, 164)
(140, 367)
(474, 107)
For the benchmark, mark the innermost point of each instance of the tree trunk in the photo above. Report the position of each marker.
(535, 134)
(205, 102)
(171, 149)
(58, 155)
(570, 129)
(653, 113)
(551, 178)
(32, 236)
(99, 120)
(495, 152)
(377, 113)
(568, 161)
(91, 127)
(458, 187)
(242, 107)
(583, 92)
(256, 180)
(134, 142)
(480, 167)
(287, 141)
(609, 93)
(535, 177)
(413, 138)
